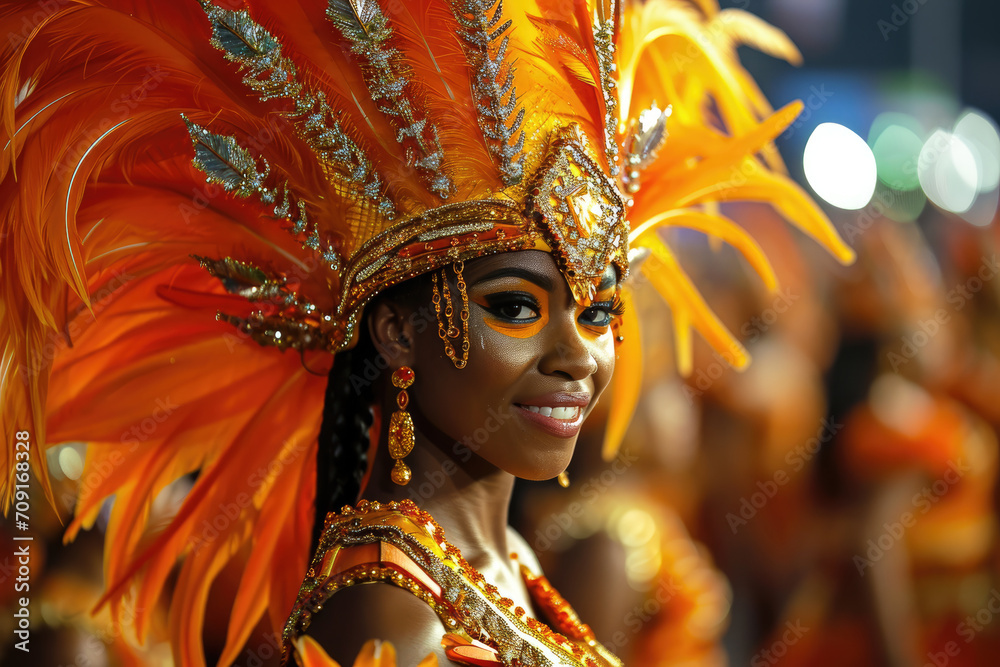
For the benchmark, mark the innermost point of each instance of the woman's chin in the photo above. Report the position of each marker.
(541, 471)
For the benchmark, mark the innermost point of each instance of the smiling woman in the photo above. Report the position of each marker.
(403, 275)
(537, 367)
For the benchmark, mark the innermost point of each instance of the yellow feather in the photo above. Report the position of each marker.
(308, 653)
(689, 307)
(794, 204)
(716, 227)
(627, 379)
(683, 343)
(744, 28)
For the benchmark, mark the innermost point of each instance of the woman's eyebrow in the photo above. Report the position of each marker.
(539, 279)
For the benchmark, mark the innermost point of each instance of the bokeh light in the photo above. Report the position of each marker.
(948, 172)
(887, 119)
(839, 166)
(980, 134)
(70, 462)
(896, 151)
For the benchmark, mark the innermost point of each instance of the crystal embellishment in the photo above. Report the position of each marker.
(493, 83)
(581, 210)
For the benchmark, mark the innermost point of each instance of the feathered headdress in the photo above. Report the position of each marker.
(279, 163)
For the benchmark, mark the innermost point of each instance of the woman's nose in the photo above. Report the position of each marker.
(568, 352)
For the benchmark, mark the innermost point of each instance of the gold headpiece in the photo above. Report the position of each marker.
(421, 168)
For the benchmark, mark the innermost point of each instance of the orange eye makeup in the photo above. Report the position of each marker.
(517, 303)
(514, 308)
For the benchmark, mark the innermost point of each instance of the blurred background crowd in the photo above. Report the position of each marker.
(836, 503)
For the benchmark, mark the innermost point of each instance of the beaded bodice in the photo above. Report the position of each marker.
(402, 545)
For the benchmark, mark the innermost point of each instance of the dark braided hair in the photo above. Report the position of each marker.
(343, 436)
(342, 456)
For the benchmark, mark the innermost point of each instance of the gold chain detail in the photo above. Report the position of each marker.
(449, 330)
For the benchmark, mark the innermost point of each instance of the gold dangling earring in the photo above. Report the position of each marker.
(563, 478)
(401, 426)
(449, 330)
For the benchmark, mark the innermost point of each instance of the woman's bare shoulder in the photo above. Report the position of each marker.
(378, 611)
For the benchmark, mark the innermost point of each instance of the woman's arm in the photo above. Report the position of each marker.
(378, 611)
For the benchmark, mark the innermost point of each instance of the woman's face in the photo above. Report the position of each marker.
(537, 364)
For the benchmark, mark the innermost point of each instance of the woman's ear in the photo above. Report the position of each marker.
(392, 333)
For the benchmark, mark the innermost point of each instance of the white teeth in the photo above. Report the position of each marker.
(555, 413)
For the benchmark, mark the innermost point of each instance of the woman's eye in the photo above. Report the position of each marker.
(513, 306)
(516, 311)
(596, 316)
(602, 313)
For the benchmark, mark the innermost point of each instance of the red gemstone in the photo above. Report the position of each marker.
(402, 399)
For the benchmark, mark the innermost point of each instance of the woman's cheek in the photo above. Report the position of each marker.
(605, 357)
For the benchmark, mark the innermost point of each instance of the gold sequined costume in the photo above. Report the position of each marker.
(401, 545)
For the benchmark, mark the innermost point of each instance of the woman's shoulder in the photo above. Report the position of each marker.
(368, 580)
(379, 611)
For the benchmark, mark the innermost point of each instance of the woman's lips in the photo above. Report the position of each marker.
(559, 414)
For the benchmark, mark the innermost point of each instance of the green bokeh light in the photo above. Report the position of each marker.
(897, 149)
